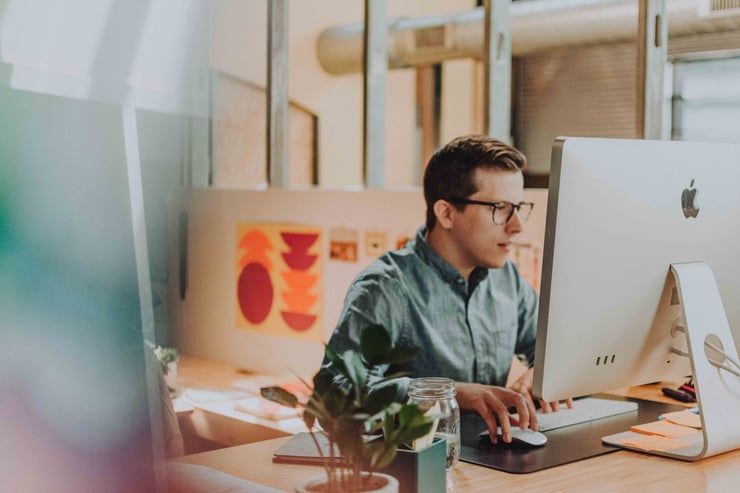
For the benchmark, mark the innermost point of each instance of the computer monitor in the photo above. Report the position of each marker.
(624, 217)
(73, 378)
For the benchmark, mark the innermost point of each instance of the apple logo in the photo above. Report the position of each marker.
(689, 203)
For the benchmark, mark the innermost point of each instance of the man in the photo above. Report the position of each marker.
(451, 292)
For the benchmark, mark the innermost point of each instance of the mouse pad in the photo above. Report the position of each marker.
(564, 445)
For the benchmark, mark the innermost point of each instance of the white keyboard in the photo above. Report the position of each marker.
(584, 410)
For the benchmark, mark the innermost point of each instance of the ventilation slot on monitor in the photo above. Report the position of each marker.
(607, 359)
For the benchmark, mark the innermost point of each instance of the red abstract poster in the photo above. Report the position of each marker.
(278, 280)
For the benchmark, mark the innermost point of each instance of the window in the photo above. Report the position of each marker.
(706, 100)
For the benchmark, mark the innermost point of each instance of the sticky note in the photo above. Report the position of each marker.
(664, 428)
(684, 418)
(652, 442)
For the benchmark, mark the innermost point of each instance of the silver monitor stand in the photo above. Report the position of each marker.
(714, 363)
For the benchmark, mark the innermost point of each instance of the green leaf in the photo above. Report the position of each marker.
(409, 414)
(412, 424)
(356, 371)
(336, 402)
(309, 419)
(379, 398)
(375, 343)
(382, 456)
(408, 435)
(395, 407)
(335, 359)
(393, 376)
(399, 354)
(323, 381)
(279, 395)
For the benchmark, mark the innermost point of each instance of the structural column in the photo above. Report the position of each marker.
(652, 50)
(277, 93)
(497, 70)
(375, 69)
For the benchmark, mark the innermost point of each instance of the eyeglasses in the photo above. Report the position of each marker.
(502, 211)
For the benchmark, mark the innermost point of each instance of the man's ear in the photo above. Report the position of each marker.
(444, 211)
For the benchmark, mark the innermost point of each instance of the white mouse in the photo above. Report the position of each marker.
(526, 437)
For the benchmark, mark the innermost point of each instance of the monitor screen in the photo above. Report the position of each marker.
(73, 386)
(620, 212)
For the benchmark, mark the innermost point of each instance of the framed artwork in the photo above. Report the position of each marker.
(279, 280)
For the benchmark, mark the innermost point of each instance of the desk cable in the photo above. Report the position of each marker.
(734, 366)
(734, 369)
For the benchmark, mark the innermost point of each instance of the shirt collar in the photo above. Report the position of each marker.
(446, 271)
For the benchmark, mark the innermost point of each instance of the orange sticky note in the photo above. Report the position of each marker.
(684, 418)
(663, 428)
(652, 442)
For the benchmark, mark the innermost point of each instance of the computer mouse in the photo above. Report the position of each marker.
(525, 437)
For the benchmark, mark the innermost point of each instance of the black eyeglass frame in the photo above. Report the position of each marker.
(496, 206)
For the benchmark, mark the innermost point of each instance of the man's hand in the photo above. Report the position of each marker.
(523, 385)
(492, 403)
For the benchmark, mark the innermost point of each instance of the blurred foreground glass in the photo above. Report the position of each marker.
(428, 391)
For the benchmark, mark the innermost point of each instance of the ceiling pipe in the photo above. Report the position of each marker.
(536, 26)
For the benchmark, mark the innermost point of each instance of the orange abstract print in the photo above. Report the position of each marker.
(278, 280)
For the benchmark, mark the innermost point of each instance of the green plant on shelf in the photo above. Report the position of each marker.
(165, 356)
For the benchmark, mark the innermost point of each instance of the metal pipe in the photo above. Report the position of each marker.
(535, 26)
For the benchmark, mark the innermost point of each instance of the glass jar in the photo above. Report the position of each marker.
(428, 391)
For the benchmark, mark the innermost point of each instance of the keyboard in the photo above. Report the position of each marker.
(584, 410)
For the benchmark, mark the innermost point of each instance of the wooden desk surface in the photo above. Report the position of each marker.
(207, 393)
(618, 471)
(217, 422)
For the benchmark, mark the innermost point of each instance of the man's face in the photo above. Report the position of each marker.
(480, 242)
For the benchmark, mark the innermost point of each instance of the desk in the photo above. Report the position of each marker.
(212, 422)
(207, 391)
(617, 471)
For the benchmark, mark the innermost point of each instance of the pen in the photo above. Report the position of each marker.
(688, 388)
(679, 394)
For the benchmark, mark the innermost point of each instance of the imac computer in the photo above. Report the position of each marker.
(73, 364)
(641, 277)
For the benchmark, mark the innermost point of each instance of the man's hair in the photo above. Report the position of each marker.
(451, 168)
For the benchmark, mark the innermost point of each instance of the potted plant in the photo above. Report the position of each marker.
(350, 412)
(168, 357)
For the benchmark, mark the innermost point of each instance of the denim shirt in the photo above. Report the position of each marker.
(466, 331)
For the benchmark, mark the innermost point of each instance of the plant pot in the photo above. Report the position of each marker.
(314, 485)
(171, 377)
(420, 471)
